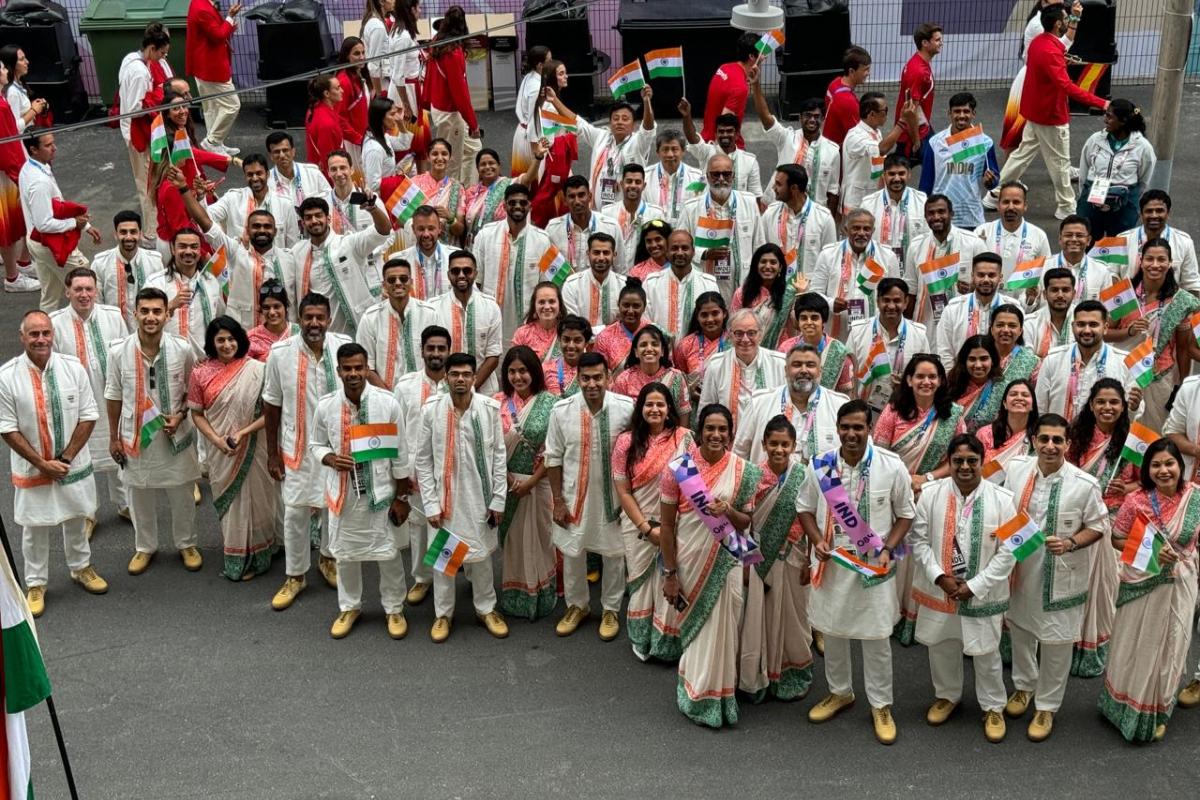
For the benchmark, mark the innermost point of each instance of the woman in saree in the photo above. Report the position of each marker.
(540, 331)
(917, 425)
(225, 397)
(703, 572)
(444, 192)
(640, 455)
(705, 338)
(1016, 360)
(562, 364)
(1011, 432)
(975, 381)
(528, 573)
(811, 312)
(273, 304)
(1153, 628)
(767, 291)
(616, 340)
(1164, 321)
(649, 361)
(1097, 437)
(651, 254)
(483, 201)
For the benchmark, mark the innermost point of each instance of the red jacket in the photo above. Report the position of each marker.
(12, 154)
(172, 213)
(61, 245)
(841, 111)
(140, 127)
(322, 134)
(728, 89)
(547, 200)
(353, 110)
(446, 84)
(209, 55)
(1047, 88)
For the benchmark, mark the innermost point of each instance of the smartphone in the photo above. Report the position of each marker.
(231, 443)
(681, 603)
(358, 198)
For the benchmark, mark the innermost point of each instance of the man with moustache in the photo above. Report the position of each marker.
(1050, 325)
(726, 139)
(1069, 371)
(865, 146)
(800, 226)
(234, 208)
(947, 172)
(194, 296)
(631, 214)
(805, 147)
(941, 247)
(1012, 237)
(835, 275)
(671, 293)
(1091, 275)
(901, 339)
(727, 264)
(594, 293)
(1155, 210)
(899, 210)
(390, 330)
(670, 183)
(473, 319)
(509, 252)
(427, 255)
(122, 271)
(971, 314)
(571, 233)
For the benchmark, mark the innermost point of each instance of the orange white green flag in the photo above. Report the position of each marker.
(627, 79)
(1021, 536)
(374, 441)
(25, 683)
(446, 553)
(1139, 439)
(665, 63)
(1140, 363)
(1142, 546)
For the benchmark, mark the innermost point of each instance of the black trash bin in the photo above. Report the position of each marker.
(1094, 51)
(43, 30)
(816, 34)
(293, 37)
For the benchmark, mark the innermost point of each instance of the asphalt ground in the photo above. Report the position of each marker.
(182, 685)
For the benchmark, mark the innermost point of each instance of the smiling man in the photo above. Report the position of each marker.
(509, 251)
(1069, 371)
(234, 208)
(942, 246)
(719, 205)
(899, 210)
(901, 339)
(970, 314)
(473, 319)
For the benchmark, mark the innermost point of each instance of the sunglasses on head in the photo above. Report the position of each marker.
(268, 291)
(129, 273)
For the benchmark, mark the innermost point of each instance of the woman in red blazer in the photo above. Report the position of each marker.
(323, 127)
(356, 94)
(450, 108)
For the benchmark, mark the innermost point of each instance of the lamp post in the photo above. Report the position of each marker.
(758, 16)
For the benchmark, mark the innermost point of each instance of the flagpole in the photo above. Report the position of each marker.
(58, 734)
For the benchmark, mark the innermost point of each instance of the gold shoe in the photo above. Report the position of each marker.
(940, 711)
(89, 580)
(397, 626)
(196, 493)
(1018, 703)
(610, 626)
(1160, 732)
(416, 595)
(37, 600)
(1042, 725)
(570, 621)
(885, 725)
(819, 642)
(1189, 696)
(192, 561)
(830, 707)
(328, 569)
(287, 594)
(344, 624)
(140, 562)
(593, 576)
(994, 727)
(441, 630)
(89, 527)
(495, 624)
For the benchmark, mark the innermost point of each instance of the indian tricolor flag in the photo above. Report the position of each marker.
(1142, 546)
(627, 79)
(555, 124)
(665, 63)
(1112, 250)
(374, 441)
(993, 471)
(877, 365)
(1140, 437)
(876, 167)
(712, 232)
(1120, 300)
(1140, 362)
(150, 422)
(182, 149)
(844, 558)
(769, 42)
(1026, 275)
(940, 274)
(218, 267)
(23, 677)
(1021, 536)
(869, 275)
(446, 553)
(554, 266)
(1195, 321)
(159, 144)
(968, 144)
(404, 199)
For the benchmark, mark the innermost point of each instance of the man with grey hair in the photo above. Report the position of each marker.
(848, 272)
(724, 223)
(734, 375)
(670, 183)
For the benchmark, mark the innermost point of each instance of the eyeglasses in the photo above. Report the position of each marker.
(712, 176)
(268, 291)
(744, 334)
(129, 273)
(399, 279)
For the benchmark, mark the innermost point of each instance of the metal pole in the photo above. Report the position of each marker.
(1174, 39)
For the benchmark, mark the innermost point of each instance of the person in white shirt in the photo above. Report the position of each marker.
(428, 255)
(865, 146)
(571, 232)
(1050, 325)
(734, 375)
(509, 253)
(800, 226)
(899, 209)
(1115, 166)
(954, 247)
(233, 208)
(594, 293)
(122, 272)
(379, 148)
(528, 107)
(670, 183)
(1012, 237)
(473, 319)
(728, 130)
(1091, 275)
(630, 215)
(805, 147)
(1183, 426)
(671, 293)
(377, 42)
(836, 273)
(902, 338)
(193, 293)
(39, 190)
(728, 263)
(971, 314)
(1155, 209)
(1068, 371)
(390, 330)
(295, 180)
(136, 89)
(47, 413)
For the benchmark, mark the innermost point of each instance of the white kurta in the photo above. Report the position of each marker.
(1183, 256)
(1090, 276)
(593, 300)
(394, 344)
(801, 236)
(746, 176)
(731, 383)
(926, 248)
(232, 211)
(339, 270)
(839, 605)
(471, 456)
(858, 148)
(88, 340)
(822, 159)
(1054, 378)
(670, 300)
(248, 269)
(1185, 417)
(45, 406)
(742, 208)
(572, 240)
(191, 321)
(475, 328)
(113, 281)
(583, 461)
(630, 227)
(831, 278)
(897, 223)
(964, 316)
(608, 158)
(411, 392)
(508, 268)
(1041, 335)
(910, 339)
(307, 181)
(670, 192)
(1048, 592)
(302, 481)
(815, 422)
(434, 278)
(1024, 244)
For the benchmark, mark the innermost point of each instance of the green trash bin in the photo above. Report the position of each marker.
(115, 28)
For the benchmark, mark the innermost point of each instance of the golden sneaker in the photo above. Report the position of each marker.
(196, 493)
(416, 595)
(610, 626)
(570, 621)
(1018, 703)
(192, 561)
(994, 727)
(140, 562)
(37, 600)
(940, 711)
(287, 594)
(397, 626)
(1189, 696)
(1160, 732)
(593, 576)
(344, 624)
(89, 527)
(885, 725)
(495, 624)
(830, 707)
(1042, 725)
(90, 581)
(440, 631)
(327, 566)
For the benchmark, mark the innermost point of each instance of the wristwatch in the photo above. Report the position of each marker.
(669, 573)
(930, 477)
(1074, 544)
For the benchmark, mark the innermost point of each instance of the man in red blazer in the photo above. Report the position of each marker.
(1044, 105)
(209, 61)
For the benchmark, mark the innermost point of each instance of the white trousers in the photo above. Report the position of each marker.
(35, 547)
(220, 112)
(116, 488)
(877, 668)
(946, 671)
(483, 589)
(418, 544)
(140, 163)
(391, 584)
(612, 582)
(297, 538)
(1054, 143)
(451, 126)
(1045, 676)
(143, 508)
(51, 274)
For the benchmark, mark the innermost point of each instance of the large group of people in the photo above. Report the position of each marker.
(768, 416)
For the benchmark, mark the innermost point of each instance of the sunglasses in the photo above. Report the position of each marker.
(129, 273)
(716, 175)
(461, 270)
(151, 378)
(268, 291)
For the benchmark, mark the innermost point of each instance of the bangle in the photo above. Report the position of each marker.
(184, 189)
(1074, 544)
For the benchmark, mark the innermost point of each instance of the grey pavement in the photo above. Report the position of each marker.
(182, 685)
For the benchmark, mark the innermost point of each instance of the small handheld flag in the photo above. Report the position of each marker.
(446, 553)
(876, 167)
(968, 144)
(554, 266)
(151, 422)
(877, 364)
(1021, 536)
(665, 63)
(627, 79)
(1142, 546)
(182, 149)
(217, 266)
(1120, 300)
(1195, 320)
(769, 42)
(373, 442)
(1140, 437)
(555, 124)
(159, 144)
(1140, 362)
(1026, 275)
(23, 676)
(994, 472)
(1112, 250)
(869, 275)
(940, 274)
(404, 200)
(844, 558)
(712, 233)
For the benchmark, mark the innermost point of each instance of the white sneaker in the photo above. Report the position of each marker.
(991, 200)
(29, 269)
(219, 149)
(22, 283)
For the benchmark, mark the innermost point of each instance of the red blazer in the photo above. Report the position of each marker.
(728, 89)
(1044, 97)
(353, 110)
(547, 202)
(172, 213)
(322, 134)
(12, 154)
(209, 55)
(61, 245)
(446, 84)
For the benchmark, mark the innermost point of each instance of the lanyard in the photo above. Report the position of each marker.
(1021, 248)
(973, 314)
(297, 187)
(901, 337)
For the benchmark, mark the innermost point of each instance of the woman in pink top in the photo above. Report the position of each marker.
(615, 340)
(649, 361)
(705, 338)
(444, 192)
(651, 256)
(540, 331)
(273, 303)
